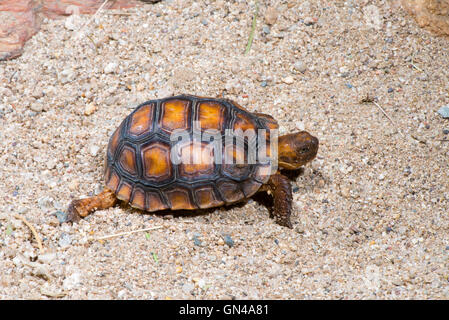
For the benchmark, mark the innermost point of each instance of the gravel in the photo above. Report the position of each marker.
(340, 247)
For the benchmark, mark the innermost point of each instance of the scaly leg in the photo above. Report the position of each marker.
(83, 207)
(280, 188)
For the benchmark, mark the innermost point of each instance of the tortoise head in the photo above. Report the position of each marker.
(296, 149)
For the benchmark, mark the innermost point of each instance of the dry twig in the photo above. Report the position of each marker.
(125, 233)
(33, 230)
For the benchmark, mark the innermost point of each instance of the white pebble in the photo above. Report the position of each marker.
(72, 281)
(288, 80)
(111, 67)
(46, 258)
(300, 66)
(94, 150)
(36, 107)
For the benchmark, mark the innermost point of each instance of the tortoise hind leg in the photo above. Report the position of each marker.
(81, 208)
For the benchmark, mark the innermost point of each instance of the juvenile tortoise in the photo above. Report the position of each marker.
(176, 153)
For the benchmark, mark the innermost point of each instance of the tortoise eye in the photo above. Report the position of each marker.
(304, 149)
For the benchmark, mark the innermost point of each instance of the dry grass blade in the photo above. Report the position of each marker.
(125, 233)
(119, 13)
(51, 294)
(80, 33)
(253, 29)
(391, 120)
(33, 230)
(369, 99)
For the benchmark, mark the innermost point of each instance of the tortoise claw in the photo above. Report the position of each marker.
(284, 223)
(72, 212)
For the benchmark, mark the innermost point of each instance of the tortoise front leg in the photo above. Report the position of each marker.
(279, 186)
(83, 207)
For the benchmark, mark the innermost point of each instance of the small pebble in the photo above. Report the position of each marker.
(445, 131)
(71, 281)
(37, 93)
(309, 21)
(94, 150)
(204, 22)
(45, 202)
(266, 29)
(36, 107)
(47, 258)
(121, 294)
(61, 215)
(444, 111)
(263, 84)
(407, 170)
(228, 240)
(73, 185)
(202, 284)
(389, 229)
(5, 92)
(111, 67)
(187, 288)
(288, 80)
(67, 75)
(196, 240)
(390, 90)
(22, 210)
(89, 109)
(349, 86)
(65, 240)
(271, 15)
(300, 66)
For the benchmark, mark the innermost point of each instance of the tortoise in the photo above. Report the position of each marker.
(149, 158)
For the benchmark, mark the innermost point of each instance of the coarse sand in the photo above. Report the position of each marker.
(371, 212)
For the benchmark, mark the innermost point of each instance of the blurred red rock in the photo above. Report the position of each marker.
(430, 14)
(19, 22)
(20, 19)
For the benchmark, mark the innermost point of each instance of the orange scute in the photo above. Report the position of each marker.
(196, 159)
(206, 198)
(210, 115)
(114, 141)
(154, 202)
(156, 162)
(175, 115)
(179, 199)
(138, 200)
(128, 160)
(113, 181)
(244, 123)
(230, 191)
(141, 120)
(124, 192)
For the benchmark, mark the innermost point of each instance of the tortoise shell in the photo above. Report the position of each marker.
(139, 166)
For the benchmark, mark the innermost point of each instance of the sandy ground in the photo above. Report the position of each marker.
(370, 213)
